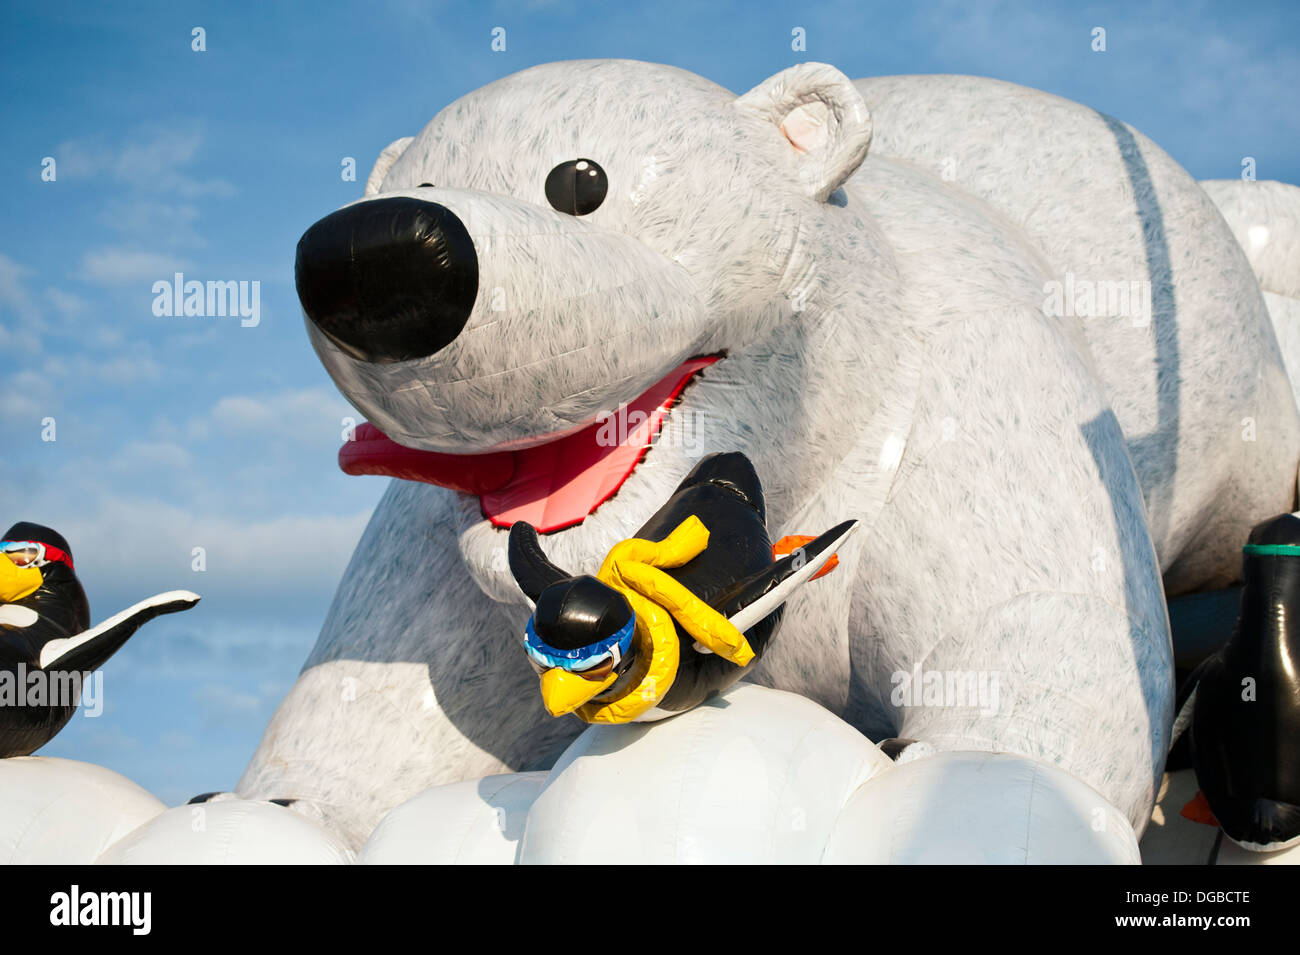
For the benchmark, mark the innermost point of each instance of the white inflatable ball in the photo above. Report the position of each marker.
(752, 776)
(980, 808)
(229, 832)
(62, 812)
(475, 822)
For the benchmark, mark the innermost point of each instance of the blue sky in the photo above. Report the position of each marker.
(174, 433)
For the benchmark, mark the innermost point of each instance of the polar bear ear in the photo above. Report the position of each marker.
(385, 163)
(823, 118)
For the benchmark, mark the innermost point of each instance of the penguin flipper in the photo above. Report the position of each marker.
(1180, 740)
(1185, 700)
(758, 595)
(90, 649)
(531, 568)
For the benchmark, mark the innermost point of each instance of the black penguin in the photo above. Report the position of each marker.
(47, 632)
(1242, 713)
(735, 574)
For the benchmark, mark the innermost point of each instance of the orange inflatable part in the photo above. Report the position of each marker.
(1198, 810)
(790, 542)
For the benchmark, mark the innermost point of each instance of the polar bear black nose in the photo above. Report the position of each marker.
(389, 279)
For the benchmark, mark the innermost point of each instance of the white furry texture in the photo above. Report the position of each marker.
(1265, 218)
(888, 359)
(1285, 313)
(1100, 201)
(384, 163)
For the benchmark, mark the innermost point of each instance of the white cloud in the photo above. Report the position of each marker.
(66, 303)
(26, 322)
(161, 222)
(120, 370)
(19, 408)
(13, 291)
(151, 456)
(17, 337)
(243, 413)
(133, 546)
(306, 416)
(123, 370)
(109, 739)
(21, 325)
(29, 397)
(152, 160)
(116, 266)
(178, 740)
(226, 700)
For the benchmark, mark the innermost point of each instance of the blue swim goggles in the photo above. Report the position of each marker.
(544, 657)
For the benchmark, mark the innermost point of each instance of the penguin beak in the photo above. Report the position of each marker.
(563, 692)
(18, 582)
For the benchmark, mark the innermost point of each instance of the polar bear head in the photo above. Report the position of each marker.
(567, 239)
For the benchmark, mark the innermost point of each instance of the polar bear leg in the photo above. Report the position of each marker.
(1093, 710)
(1009, 595)
(416, 681)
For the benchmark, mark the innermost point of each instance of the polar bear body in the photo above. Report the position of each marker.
(1024, 478)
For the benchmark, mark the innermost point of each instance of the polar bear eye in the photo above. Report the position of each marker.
(576, 187)
(424, 184)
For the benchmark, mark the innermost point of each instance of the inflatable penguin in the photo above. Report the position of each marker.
(1242, 708)
(675, 614)
(46, 644)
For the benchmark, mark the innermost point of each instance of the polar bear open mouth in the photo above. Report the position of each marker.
(553, 485)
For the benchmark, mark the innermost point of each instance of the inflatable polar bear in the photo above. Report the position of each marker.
(1008, 334)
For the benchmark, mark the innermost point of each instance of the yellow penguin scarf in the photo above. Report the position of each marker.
(633, 568)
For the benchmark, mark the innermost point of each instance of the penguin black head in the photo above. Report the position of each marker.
(581, 636)
(580, 612)
(1283, 529)
(731, 471)
(60, 599)
(571, 613)
(27, 531)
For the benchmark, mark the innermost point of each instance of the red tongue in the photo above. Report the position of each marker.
(372, 452)
(551, 486)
